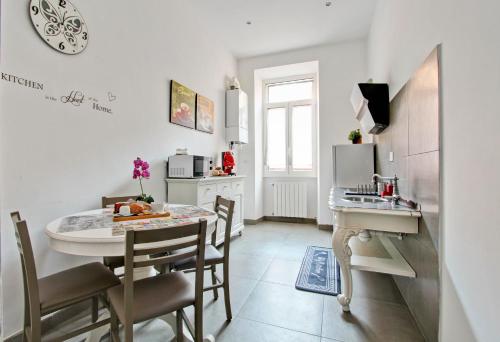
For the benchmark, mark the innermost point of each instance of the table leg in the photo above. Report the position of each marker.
(343, 254)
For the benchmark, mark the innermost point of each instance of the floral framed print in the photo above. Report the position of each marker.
(182, 105)
(205, 114)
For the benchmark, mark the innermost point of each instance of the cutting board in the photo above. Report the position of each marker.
(140, 217)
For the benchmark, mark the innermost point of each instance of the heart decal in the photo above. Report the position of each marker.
(111, 97)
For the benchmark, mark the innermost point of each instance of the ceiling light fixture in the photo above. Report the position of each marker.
(328, 3)
(249, 22)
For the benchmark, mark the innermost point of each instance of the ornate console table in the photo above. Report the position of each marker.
(362, 219)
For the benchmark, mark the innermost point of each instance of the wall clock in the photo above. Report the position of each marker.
(60, 25)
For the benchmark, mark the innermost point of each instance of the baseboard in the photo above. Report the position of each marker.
(327, 227)
(57, 319)
(16, 337)
(253, 222)
(290, 219)
(286, 220)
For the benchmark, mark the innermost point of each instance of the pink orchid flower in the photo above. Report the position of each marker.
(138, 163)
(141, 170)
(136, 174)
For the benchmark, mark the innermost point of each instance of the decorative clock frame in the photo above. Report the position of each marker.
(60, 25)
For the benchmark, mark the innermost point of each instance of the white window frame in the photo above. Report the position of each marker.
(289, 172)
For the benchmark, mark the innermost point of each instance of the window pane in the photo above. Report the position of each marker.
(276, 139)
(291, 91)
(302, 138)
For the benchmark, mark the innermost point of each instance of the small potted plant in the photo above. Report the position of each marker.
(355, 137)
(141, 170)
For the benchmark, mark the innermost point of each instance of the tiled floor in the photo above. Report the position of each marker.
(266, 307)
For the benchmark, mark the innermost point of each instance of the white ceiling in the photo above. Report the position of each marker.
(280, 25)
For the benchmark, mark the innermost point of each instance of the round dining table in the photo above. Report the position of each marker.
(94, 234)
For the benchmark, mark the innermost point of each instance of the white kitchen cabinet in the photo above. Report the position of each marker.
(237, 116)
(203, 191)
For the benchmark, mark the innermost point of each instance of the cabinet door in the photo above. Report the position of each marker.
(224, 189)
(238, 214)
(237, 188)
(209, 206)
(207, 193)
(221, 231)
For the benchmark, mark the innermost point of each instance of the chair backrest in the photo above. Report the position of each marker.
(112, 200)
(30, 279)
(155, 245)
(225, 211)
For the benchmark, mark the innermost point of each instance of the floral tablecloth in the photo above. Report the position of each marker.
(178, 215)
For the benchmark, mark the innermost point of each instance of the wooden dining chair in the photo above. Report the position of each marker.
(225, 210)
(114, 262)
(134, 302)
(47, 295)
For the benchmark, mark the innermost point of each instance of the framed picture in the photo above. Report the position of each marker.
(205, 114)
(182, 105)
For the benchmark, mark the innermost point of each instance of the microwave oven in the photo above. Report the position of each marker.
(189, 166)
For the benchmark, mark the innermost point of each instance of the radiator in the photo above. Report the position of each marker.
(290, 199)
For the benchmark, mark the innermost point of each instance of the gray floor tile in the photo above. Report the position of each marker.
(264, 248)
(264, 264)
(240, 289)
(285, 307)
(155, 330)
(376, 286)
(248, 266)
(312, 236)
(369, 320)
(292, 251)
(242, 330)
(282, 271)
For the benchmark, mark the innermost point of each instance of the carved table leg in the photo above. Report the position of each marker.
(343, 254)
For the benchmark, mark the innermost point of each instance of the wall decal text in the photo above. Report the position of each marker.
(111, 97)
(76, 98)
(22, 81)
(99, 108)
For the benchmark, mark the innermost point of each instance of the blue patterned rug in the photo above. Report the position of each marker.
(319, 272)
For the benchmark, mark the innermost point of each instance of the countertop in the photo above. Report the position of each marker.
(337, 203)
(205, 179)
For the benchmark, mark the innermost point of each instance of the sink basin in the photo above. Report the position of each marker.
(362, 199)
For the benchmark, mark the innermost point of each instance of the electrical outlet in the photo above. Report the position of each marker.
(391, 156)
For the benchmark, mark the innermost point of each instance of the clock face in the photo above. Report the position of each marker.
(60, 25)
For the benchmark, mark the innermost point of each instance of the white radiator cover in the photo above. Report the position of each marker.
(290, 199)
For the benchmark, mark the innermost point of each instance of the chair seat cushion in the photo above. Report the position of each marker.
(74, 285)
(154, 296)
(212, 257)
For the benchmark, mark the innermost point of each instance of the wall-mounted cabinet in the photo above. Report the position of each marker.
(237, 116)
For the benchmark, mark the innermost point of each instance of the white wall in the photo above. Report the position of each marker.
(58, 159)
(340, 66)
(403, 33)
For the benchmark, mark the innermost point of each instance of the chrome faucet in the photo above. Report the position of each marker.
(395, 192)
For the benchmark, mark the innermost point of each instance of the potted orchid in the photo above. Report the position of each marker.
(141, 170)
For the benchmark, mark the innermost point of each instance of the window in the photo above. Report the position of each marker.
(290, 126)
